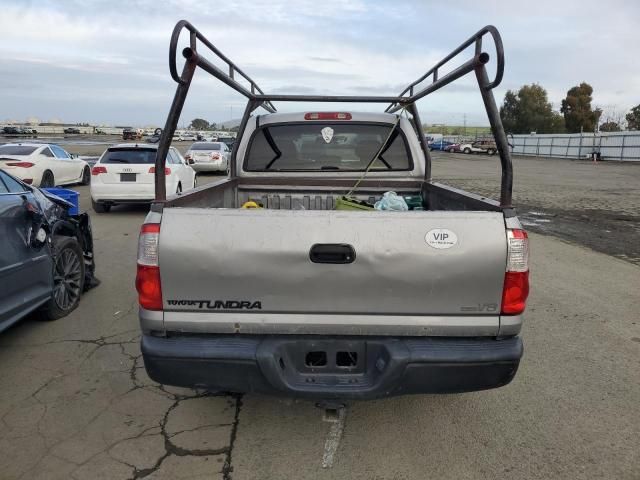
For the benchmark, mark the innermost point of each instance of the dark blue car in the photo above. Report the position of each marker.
(439, 145)
(46, 259)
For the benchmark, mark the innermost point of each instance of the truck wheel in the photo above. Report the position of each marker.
(491, 151)
(99, 207)
(86, 176)
(48, 180)
(68, 279)
(466, 150)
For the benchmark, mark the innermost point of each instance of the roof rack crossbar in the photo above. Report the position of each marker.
(329, 98)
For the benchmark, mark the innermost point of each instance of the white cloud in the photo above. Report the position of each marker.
(107, 61)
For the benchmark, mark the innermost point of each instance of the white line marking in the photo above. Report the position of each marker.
(334, 436)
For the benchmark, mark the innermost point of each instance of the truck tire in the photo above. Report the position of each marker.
(68, 279)
(99, 207)
(467, 150)
(491, 151)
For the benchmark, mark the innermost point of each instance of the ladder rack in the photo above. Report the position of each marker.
(406, 100)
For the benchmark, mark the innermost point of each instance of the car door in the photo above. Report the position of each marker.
(65, 166)
(25, 265)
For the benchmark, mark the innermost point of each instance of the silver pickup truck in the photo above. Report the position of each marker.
(312, 293)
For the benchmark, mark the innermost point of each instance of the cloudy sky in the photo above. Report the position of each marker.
(106, 62)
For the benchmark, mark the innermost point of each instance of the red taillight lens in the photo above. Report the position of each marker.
(167, 170)
(28, 180)
(20, 164)
(515, 292)
(516, 278)
(148, 282)
(149, 287)
(187, 156)
(327, 116)
(97, 170)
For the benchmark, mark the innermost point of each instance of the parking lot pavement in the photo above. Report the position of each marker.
(593, 204)
(75, 401)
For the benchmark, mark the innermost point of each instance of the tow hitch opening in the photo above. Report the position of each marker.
(316, 359)
(347, 359)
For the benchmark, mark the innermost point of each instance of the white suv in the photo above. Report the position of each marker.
(125, 174)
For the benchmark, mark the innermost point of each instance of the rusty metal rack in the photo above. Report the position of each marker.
(232, 76)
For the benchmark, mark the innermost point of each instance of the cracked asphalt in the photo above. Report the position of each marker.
(76, 403)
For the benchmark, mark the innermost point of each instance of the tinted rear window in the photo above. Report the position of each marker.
(131, 155)
(17, 150)
(205, 146)
(325, 146)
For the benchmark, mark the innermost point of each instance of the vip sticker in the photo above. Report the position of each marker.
(327, 134)
(441, 238)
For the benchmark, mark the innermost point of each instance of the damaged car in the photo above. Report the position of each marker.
(46, 255)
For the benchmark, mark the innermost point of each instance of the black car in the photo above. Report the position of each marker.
(71, 130)
(11, 131)
(46, 258)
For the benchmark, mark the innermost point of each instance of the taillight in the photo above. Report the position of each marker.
(187, 156)
(148, 272)
(20, 164)
(327, 116)
(516, 279)
(28, 180)
(98, 169)
(167, 170)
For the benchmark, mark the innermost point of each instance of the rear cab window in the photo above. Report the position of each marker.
(326, 146)
(129, 155)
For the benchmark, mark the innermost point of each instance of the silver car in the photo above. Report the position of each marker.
(209, 156)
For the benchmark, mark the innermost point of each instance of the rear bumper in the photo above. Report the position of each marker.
(213, 166)
(383, 366)
(126, 192)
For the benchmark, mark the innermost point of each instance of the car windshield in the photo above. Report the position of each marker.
(327, 146)
(129, 155)
(16, 150)
(205, 146)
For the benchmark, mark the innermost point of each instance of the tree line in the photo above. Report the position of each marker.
(529, 110)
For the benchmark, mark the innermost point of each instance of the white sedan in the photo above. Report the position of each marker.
(43, 165)
(209, 156)
(125, 173)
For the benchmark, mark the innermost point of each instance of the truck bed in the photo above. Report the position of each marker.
(321, 194)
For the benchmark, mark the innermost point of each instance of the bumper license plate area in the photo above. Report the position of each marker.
(127, 177)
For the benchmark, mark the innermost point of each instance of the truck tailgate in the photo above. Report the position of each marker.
(248, 263)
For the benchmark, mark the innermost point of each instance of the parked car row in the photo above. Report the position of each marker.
(19, 131)
(124, 173)
(480, 146)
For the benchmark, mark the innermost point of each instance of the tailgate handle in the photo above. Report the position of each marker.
(332, 253)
